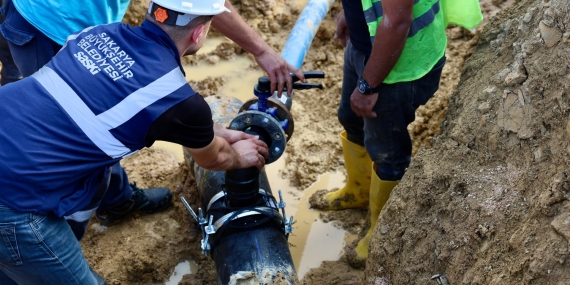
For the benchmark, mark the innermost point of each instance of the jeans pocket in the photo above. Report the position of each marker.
(14, 35)
(9, 252)
(35, 225)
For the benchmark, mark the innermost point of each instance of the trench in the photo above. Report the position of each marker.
(312, 240)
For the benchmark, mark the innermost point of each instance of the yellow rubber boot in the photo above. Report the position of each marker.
(354, 194)
(379, 193)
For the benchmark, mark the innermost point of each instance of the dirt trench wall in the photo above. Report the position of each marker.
(488, 202)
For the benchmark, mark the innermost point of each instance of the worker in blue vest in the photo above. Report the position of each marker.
(394, 55)
(110, 91)
(36, 30)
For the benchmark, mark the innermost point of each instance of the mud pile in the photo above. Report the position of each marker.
(488, 202)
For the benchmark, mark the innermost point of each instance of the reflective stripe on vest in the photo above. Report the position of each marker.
(426, 41)
(97, 127)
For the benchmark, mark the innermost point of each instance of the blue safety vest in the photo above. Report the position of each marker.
(88, 108)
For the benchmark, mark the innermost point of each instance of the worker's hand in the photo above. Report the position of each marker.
(232, 136)
(278, 71)
(362, 104)
(342, 33)
(251, 152)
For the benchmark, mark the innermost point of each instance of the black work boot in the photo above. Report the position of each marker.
(148, 201)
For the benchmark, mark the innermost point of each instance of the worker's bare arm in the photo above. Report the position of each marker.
(342, 33)
(389, 42)
(220, 155)
(234, 27)
(391, 36)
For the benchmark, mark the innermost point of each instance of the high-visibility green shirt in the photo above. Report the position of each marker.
(426, 41)
(465, 13)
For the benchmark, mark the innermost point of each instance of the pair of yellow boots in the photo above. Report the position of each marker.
(363, 189)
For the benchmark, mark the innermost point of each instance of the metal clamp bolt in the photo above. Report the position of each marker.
(210, 229)
(287, 223)
(206, 230)
(200, 219)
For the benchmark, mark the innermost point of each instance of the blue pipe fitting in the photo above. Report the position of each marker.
(304, 31)
(261, 101)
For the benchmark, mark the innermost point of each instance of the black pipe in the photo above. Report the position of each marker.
(264, 250)
(250, 244)
(242, 186)
(257, 243)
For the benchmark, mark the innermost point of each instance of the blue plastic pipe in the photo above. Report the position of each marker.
(304, 31)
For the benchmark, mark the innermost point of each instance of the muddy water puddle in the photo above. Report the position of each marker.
(240, 77)
(312, 240)
(183, 268)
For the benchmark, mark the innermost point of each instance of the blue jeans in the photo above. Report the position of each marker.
(30, 48)
(23, 234)
(40, 249)
(385, 137)
(9, 71)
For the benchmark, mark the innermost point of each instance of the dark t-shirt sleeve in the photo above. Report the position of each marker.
(188, 123)
(357, 27)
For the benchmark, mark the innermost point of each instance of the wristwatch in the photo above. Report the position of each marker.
(364, 88)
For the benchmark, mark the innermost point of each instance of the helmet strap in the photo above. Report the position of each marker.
(169, 17)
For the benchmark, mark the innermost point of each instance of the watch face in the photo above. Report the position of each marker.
(361, 87)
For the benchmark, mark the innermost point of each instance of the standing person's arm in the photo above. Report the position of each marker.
(235, 28)
(391, 36)
(342, 33)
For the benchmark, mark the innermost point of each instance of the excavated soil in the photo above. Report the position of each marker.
(485, 201)
(488, 202)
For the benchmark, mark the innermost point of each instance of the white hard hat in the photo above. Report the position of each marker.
(181, 12)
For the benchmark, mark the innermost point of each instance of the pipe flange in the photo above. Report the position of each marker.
(273, 135)
(282, 113)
